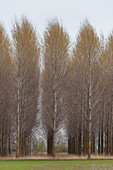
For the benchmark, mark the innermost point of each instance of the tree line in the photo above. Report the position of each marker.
(58, 85)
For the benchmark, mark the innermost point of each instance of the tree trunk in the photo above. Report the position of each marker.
(79, 141)
(2, 143)
(54, 124)
(99, 140)
(53, 144)
(18, 116)
(107, 140)
(71, 145)
(49, 143)
(102, 150)
(9, 145)
(94, 143)
(89, 145)
(89, 109)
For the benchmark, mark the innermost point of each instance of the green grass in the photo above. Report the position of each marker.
(92, 164)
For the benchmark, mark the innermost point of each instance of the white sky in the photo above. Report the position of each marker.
(70, 12)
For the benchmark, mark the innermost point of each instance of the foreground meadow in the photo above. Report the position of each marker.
(56, 164)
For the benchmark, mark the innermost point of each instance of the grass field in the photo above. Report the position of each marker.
(56, 164)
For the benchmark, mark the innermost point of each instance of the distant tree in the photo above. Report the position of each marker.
(61, 142)
(38, 145)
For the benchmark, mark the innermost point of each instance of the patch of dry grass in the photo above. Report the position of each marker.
(60, 156)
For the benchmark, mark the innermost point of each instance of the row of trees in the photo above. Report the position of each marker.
(90, 94)
(6, 89)
(73, 91)
(77, 90)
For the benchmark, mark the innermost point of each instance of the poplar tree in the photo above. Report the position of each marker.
(56, 44)
(86, 53)
(6, 91)
(26, 64)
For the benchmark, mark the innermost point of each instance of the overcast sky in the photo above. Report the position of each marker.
(70, 12)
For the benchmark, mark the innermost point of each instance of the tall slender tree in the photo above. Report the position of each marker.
(88, 93)
(26, 62)
(6, 88)
(56, 44)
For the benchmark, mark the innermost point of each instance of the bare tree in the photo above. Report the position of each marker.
(6, 88)
(56, 44)
(85, 86)
(26, 63)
